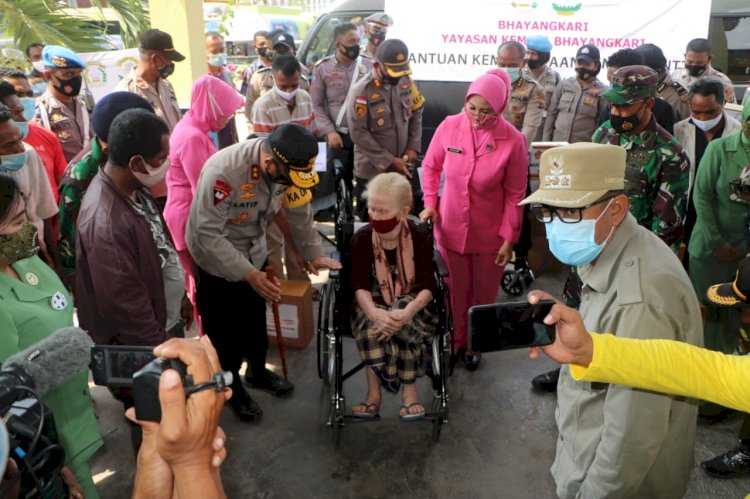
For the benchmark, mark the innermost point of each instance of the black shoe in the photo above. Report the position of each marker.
(731, 464)
(472, 360)
(271, 382)
(245, 408)
(711, 413)
(547, 382)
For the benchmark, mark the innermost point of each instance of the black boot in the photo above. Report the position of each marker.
(244, 407)
(270, 382)
(547, 382)
(731, 464)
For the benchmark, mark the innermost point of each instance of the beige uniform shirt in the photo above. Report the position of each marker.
(330, 86)
(384, 121)
(617, 441)
(682, 76)
(548, 79)
(162, 97)
(261, 82)
(70, 124)
(676, 96)
(233, 203)
(525, 107)
(574, 111)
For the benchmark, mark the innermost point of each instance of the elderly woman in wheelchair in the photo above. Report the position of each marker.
(393, 281)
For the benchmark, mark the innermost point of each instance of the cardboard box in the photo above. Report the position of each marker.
(295, 313)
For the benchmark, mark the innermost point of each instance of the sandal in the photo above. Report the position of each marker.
(367, 414)
(409, 416)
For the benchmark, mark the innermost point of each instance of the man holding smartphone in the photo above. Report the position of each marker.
(616, 441)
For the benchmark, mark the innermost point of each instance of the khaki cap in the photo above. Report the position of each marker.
(576, 175)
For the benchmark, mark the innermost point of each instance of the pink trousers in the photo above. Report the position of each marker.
(188, 267)
(474, 280)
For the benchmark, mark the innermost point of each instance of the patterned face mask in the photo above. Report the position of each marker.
(20, 245)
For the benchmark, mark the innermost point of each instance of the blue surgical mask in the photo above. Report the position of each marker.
(514, 73)
(13, 162)
(574, 244)
(29, 108)
(24, 127)
(217, 60)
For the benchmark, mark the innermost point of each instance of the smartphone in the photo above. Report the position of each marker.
(506, 326)
(114, 365)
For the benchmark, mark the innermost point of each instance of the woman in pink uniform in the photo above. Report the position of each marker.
(477, 218)
(212, 105)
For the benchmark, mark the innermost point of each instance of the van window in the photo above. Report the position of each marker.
(321, 44)
(730, 44)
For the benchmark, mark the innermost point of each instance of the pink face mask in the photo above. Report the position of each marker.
(479, 120)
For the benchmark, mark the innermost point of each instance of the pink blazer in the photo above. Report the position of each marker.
(478, 208)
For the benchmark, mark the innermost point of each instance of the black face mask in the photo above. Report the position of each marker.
(390, 80)
(694, 70)
(625, 124)
(351, 52)
(262, 51)
(541, 61)
(166, 71)
(270, 54)
(74, 83)
(585, 74)
(376, 38)
(279, 177)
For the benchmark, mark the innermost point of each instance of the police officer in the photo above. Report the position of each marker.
(526, 106)
(61, 109)
(698, 65)
(333, 78)
(239, 191)
(376, 29)
(385, 119)
(658, 170)
(671, 91)
(262, 79)
(576, 103)
(539, 50)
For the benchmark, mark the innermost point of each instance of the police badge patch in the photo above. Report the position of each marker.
(221, 191)
(360, 106)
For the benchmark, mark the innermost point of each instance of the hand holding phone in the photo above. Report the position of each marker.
(508, 326)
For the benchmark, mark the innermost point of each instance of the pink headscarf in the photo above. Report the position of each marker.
(493, 86)
(211, 100)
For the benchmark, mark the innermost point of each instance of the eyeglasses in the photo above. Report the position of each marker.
(545, 213)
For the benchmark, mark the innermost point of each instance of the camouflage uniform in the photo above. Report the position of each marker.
(657, 173)
(526, 107)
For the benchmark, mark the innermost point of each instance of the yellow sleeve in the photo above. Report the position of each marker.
(670, 367)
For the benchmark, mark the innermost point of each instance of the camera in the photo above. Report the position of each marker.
(135, 367)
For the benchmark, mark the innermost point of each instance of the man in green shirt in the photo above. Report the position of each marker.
(83, 168)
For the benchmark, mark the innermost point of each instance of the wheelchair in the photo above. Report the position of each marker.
(334, 315)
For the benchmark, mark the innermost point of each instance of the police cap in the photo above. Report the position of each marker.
(735, 293)
(283, 38)
(55, 56)
(394, 56)
(154, 39)
(380, 18)
(538, 43)
(296, 148)
(631, 83)
(588, 54)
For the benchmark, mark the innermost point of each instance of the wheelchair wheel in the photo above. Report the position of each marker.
(326, 338)
(512, 284)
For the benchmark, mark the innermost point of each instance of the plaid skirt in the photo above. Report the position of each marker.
(403, 357)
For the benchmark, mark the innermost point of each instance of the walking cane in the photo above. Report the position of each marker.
(277, 324)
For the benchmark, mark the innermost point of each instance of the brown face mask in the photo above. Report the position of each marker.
(20, 245)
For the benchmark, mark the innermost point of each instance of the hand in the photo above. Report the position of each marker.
(573, 344)
(74, 488)
(384, 323)
(504, 254)
(402, 316)
(429, 214)
(334, 140)
(411, 156)
(322, 262)
(186, 312)
(400, 166)
(726, 253)
(270, 291)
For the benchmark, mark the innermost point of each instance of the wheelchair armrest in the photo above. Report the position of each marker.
(334, 274)
(440, 266)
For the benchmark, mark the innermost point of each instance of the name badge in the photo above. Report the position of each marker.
(453, 149)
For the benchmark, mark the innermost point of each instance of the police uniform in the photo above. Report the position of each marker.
(382, 21)
(70, 123)
(676, 96)
(574, 111)
(658, 170)
(548, 79)
(262, 81)
(525, 107)
(682, 76)
(226, 235)
(161, 96)
(331, 83)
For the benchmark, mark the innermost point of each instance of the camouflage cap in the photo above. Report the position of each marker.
(631, 83)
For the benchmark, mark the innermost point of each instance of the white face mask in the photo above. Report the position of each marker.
(154, 175)
(38, 66)
(707, 125)
(285, 95)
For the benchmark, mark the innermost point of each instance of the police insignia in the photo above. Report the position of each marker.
(63, 135)
(374, 95)
(405, 85)
(221, 191)
(360, 106)
(56, 117)
(255, 172)
(295, 197)
(381, 121)
(60, 62)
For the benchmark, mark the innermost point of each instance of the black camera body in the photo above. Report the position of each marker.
(135, 367)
